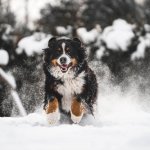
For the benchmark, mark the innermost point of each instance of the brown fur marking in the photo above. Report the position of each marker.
(77, 108)
(52, 106)
(74, 61)
(67, 49)
(59, 49)
(54, 62)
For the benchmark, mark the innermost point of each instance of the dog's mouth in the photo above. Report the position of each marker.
(64, 67)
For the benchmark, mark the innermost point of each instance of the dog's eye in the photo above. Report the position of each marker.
(68, 52)
(58, 49)
(67, 49)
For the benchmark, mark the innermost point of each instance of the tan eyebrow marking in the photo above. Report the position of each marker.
(67, 49)
(58, 49)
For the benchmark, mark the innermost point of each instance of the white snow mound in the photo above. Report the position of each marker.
(4, 57)
(144, 42)
(118, 36)
(88, 36)
(120, 124)
(63, 31)
(33, 44)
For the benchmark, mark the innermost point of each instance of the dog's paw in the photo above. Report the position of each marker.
(52, 111)
(53, 118)
(76, 111)
(76, 119)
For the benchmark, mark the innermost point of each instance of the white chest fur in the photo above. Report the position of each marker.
(70, 87)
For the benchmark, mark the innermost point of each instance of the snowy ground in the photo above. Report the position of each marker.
(122, 123)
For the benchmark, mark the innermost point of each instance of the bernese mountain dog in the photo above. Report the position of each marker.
(70, 85)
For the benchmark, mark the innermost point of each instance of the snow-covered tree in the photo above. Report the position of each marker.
(66, 14)
(104, 12)
(147, 11)
(7, 17)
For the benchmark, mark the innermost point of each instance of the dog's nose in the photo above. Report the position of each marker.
(63, 60)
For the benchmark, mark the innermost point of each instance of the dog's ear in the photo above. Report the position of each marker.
(78, 41)
(51, 41)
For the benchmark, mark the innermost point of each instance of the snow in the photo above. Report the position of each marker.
(33, 44)
(100, 52)
(8, 77)
(88, 36)
(144, 42)
(140, 52)
(121, 123)
(118, 36)
(141, 2)
(63, 31)
(147, 27)
(20, 133)
(18, 103)
(4, 57)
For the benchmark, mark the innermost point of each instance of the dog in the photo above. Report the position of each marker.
(70, 85)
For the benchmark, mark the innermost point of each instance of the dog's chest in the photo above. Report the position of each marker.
(69, 88)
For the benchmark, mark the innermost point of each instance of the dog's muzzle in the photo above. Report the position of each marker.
(64, 63)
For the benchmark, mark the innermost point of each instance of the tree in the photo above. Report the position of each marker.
(66, 14)
(147, 11)
(7, 17)
(103, 12)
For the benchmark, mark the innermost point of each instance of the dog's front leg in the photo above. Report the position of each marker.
(51, 108)
(77, 110)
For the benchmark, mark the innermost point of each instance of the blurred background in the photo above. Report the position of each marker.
(116, 34)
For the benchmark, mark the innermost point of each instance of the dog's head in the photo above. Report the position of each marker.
(64, 54)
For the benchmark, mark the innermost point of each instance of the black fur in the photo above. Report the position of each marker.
(89, 93)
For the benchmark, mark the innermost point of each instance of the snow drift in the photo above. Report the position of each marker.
(119, 35)
(33, 44)
(122, 122)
